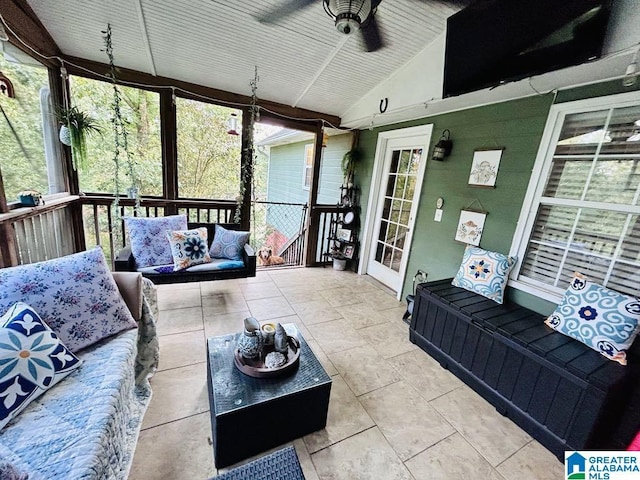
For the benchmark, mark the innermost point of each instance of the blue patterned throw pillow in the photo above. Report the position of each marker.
(148, 237)
(484, 272)
(189, 247)
(602, 319)
(32, 360)
(76, 295)
(228, 243)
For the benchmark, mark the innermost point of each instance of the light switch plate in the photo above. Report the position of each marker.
(438, 216)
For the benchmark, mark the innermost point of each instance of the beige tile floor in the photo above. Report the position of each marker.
(394, 412)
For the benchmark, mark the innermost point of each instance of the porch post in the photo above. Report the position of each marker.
(168, 134)
(8, 246)
(246, 170)
(311, 231)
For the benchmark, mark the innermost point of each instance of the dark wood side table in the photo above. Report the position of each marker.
(250, 415)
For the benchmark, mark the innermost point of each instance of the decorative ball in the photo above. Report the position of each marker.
(274, 360)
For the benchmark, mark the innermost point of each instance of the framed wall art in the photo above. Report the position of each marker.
(484, 168)
(348, 251)
(343, 234)
(470, 227)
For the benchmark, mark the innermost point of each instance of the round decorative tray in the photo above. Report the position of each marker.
(255, 367)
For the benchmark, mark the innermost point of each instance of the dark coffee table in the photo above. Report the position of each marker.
(250, 415)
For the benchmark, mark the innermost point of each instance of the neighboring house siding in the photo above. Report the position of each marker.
(516, 125)
(286, 174)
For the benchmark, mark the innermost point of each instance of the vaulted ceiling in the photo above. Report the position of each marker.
(302, 60)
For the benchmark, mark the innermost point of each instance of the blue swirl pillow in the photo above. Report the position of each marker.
(32, 360)
(228, 243)
(484, 272)
(602, 319)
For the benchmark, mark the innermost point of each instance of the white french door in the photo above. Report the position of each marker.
(401, 165)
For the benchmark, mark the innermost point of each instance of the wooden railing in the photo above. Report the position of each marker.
(34, 234)
(102, 227)
(322, 216)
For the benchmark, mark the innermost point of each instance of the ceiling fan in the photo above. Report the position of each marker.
(350, 16)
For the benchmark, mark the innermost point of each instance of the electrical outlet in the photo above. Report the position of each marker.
(420, 276)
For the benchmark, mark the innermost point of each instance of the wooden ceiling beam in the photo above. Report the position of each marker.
(20, 18)
(88, 68)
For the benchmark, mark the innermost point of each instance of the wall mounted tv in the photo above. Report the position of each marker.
(491, 42)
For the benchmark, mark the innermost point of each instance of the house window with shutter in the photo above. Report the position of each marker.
(583, 208)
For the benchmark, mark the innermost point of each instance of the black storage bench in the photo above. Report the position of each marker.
(564, 394)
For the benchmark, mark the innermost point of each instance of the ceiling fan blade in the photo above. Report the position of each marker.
(371, 35)
(284, 10)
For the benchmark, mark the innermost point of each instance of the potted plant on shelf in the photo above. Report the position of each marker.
(339, 259)
(349, 162)
(76, 125)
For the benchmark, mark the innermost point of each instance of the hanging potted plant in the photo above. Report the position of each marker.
(76, 125)
(349, 162)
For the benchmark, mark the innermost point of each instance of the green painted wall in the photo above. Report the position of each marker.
(516, 125)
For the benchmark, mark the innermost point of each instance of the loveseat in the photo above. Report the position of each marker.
(217, 269)
(86, 425)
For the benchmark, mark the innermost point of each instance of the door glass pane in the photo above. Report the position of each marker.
(405, 157)
(400, 183)
(395, 158)
(391, 182)
(396, 208)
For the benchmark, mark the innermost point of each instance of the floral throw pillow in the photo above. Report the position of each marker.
(189, 247)
(603, 319)
(32, 360)
(75, 295)
(484, 272)
(228, 244)
(148, 238)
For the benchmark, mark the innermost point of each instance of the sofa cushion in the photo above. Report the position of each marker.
(213, 265)
(228, 243)
(130, 287)
(32, 360)
(147, 235)
(484, 272)
(188, 247)
(602, 319)
(75, 295)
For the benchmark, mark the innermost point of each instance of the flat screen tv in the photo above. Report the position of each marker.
(491, 42)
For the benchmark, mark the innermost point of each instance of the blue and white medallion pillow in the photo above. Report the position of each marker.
(75, 295)
(603, 319)
(228, 244)
(189, 247)
(32, 360)
(484, 272)
(148, 237)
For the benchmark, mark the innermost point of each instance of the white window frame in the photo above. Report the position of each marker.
(538, 180)
(305, 167)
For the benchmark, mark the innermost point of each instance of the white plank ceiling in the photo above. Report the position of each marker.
(302, 60)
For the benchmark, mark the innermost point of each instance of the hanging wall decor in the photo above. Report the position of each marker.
(470, 227)
(484, 168)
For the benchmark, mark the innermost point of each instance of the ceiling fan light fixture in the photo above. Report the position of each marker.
(348, 15)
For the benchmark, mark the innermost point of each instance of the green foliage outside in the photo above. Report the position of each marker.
(22, 170)
(141, 112)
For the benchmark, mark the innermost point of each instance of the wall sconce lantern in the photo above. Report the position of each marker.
(443, 147)
(232, 125)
